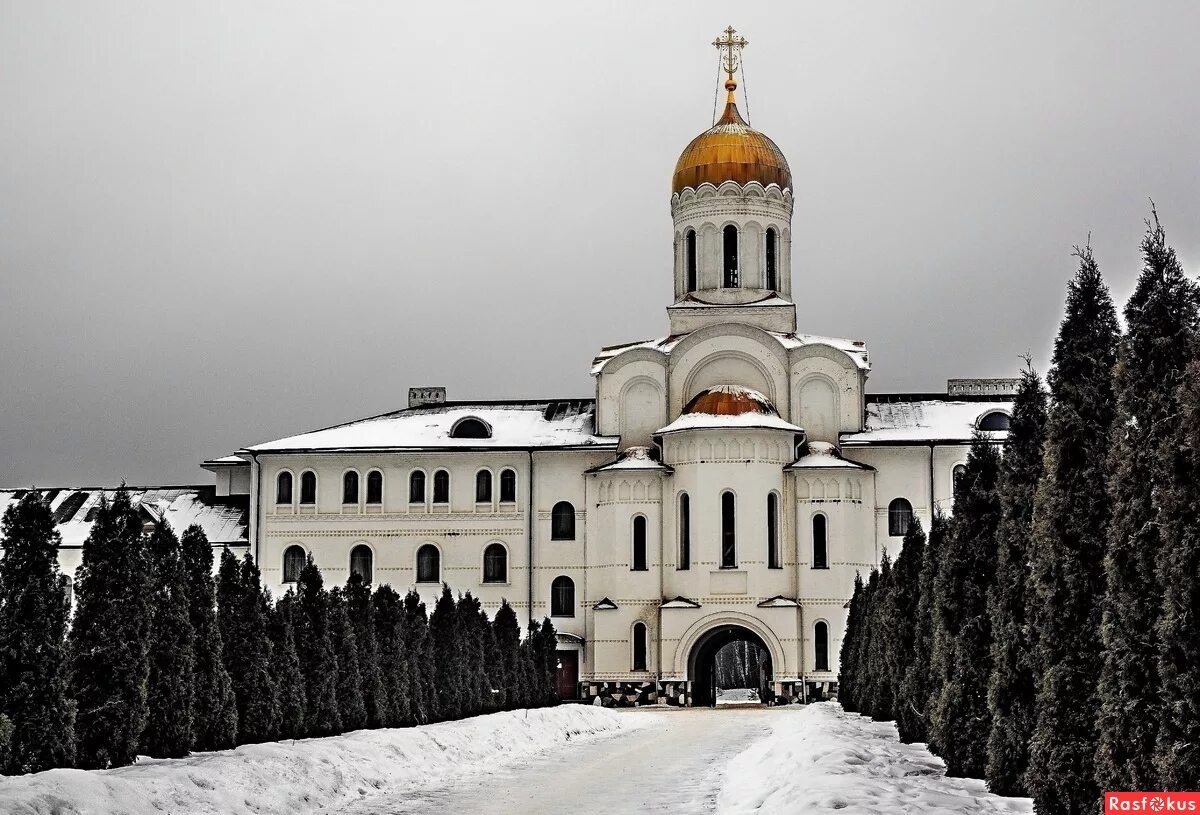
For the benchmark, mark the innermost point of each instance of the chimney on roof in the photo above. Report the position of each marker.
(982, 387)
(419, 397)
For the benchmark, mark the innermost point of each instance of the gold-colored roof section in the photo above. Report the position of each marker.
(729, 400)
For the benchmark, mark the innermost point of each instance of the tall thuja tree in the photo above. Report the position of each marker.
(1066, 578)
(1160, 319)
(882, 655)
(214, 709)
(547, 647)
(961, 719)
(109, 638)
(906, 589)
(169, 690)
(1178, 750)
(351, 709)
(362, 618)
(921, 683)
(392, 656)
(476, 691)
(34, 692)
(848, 672)
(863, 646)
(423, 676)
(318, 661)
(449, 662)
(1011, 687)
(506, 673)
(246, 648)
(285, 667)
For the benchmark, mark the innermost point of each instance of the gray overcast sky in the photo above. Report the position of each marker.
(223, 222)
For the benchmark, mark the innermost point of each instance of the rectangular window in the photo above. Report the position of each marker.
(728, 534)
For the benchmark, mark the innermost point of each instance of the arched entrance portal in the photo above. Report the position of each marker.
(703, 658)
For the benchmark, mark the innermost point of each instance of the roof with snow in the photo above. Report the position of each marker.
(855, 349)
(823, 455)
(554, 423)
(707, 421)
(224, 519)
(900, 420)
(632, 458)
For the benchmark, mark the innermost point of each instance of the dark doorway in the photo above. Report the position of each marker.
(702, 665)
(568, 674)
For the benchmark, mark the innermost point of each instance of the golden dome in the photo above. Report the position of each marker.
(729, 400)
(731, 150)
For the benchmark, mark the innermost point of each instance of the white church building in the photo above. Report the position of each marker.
(726, 481)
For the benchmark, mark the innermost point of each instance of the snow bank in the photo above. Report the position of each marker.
(308, 774)
(822, 759)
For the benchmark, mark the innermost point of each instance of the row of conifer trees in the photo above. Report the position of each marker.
(160, 659)
(1047, 636)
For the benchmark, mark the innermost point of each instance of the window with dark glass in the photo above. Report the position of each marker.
(685, 531)
(562, 597)
(820, 543)
(900, 513)
(773, 532)
(728, 534)
(639, 544)
(308, 487)
(995, 420)
(374, 487)
(729, 241)
(495, 564)
(441, 487)
(772, 272)
(508, 485)
(639, 646)
(429, 564)
(361, 561)
(959, 471)
(416, 487)
(350, 488)
(689, 254)
(483, 487)
(821, 646)
(562, 522)
(283, 488)
(293, 563)
(470, 428)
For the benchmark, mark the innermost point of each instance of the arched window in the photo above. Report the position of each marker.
(730, 254)
(483, 487)
(350, 487)
(283, 488)
(772, 267)
(996, 420)
(820, 543)
(308, 487)
(899, 517)
(639, 646)
(773, 532)
(685, 531)
(562, 597)
(441, 487)
(689, 259)
(639, 544)
(293, 563)
(470, 428)
(429, 564)
(416, 487)
(361, 561)
(374, 487)
(821, 646)
(495, 563)
(562, 522)
(956, 475)
(728, 534)
(508, 486)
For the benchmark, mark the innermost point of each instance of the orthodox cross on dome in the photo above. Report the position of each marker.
(730, 44)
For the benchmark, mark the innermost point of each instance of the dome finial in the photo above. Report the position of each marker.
(730, 44)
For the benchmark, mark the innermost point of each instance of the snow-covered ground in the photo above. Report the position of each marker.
(737, 696)
(824, 760)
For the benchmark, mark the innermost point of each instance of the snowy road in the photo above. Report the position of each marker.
(676, 764)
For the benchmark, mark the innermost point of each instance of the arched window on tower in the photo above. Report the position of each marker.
(689, 259)
(729, 241)
(416, 487)
(773, 559)
(685, 531)
(639, 646)
(772, 262)
(639, 544)
(283, 488)
(308, 488)
(361, 561)
(728, 535)
(350, 487)
(820, 542)
(900, 513)
(821, 646)
(374, 487)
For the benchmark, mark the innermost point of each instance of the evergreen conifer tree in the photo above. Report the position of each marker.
(169, 692)
(880, 656)
(34, 692)
(449, 662)
(474, 650)
(391, 648)
(1066, 578)
(318, 661)
(246, 648)
(848, 672)
(214, 709)
(423, 674)
(548, 647)
(906, 582)
(285, 668)
(507, 633)
(362, 618)
(865, 641)
(109, 638)
(921, 684)
(1160, 318)
(351, 708)
(1012, 685)
(968, 567)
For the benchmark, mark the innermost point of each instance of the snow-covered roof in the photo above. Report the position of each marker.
(224, 519)
(707, 421)
(855, 349)
(632, 458)
(901, 421)
(564, 423)
(680, 602)
(823, 455)
(604, 604)
(232, 460)
(778, 601)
